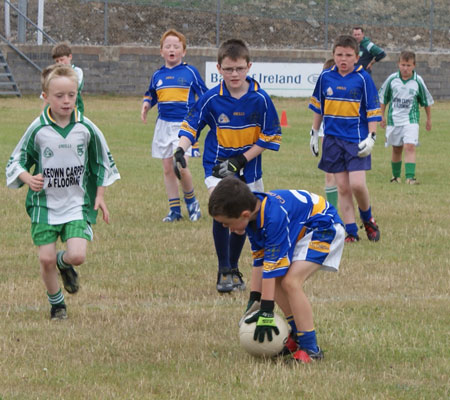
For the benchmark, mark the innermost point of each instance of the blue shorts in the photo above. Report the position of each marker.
(339, 155)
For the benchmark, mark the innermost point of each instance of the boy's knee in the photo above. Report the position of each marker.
(47, 260)
(77, 258)
(288, 284)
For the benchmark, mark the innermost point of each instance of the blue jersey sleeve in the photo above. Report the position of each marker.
(194, 121)
(198, 84)
(270, 136)
(372, 100)
(150, 95)
(315, 102)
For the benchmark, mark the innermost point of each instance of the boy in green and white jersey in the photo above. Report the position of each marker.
(72, 167)
(404, 91)
(62, 54)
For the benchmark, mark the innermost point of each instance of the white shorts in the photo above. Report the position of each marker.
(211, 182)
(399, 135)
(165, 139)
(322, 247)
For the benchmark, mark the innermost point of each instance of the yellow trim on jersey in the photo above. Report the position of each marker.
(319, 207)
(261, 211)
(258, 254)
(284, 262)
(359, 68)
(317, 245)
(270, 138)
(342, 108)
(186, 127)
(173, 94)
(374, 113)
(315, 103)
(237, 138)
(301, 234)
(49, 115)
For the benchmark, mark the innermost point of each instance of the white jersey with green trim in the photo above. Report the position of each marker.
(404, 98)
(74, 161)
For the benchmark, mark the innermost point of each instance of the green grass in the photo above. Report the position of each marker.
(148, 322)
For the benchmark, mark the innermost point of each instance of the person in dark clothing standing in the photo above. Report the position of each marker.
(369, 52)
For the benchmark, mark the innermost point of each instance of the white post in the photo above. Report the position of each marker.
(7, 24)
(40, 21)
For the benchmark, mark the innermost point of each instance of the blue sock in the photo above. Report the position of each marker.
(352, 229)
(175, 205)
(189, 197)
(291, 322)
(365, 215)
(236, 245)
(307, 340)
(221, 237)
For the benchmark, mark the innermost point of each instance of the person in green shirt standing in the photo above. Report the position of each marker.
(369, 52)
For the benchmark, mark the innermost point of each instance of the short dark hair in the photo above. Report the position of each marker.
(346, 41)
(230, 198)
(233, 49)
(408, 55)
(61, 50)
(358, 28)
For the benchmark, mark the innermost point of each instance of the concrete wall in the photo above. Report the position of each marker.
(125, 70)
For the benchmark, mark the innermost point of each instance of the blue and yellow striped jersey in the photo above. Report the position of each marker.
(174, 90)
(347, 103)
(235, 126)
(284, 218)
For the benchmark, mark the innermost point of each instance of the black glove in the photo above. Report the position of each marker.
(178, 161)
(265, 322)
(229, 167)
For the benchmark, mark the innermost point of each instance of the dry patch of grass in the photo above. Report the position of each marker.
(149, 324)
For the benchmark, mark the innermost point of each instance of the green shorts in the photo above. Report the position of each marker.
(45, 234)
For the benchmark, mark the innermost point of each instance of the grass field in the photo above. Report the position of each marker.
(148, 322)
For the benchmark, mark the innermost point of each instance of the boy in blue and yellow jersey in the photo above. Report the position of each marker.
(346, 100)
(293, 234)
(243, 123)
(174, 87)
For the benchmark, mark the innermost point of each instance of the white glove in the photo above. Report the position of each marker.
(366, 146)
(314, 142)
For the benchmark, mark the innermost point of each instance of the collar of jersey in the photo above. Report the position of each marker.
(176, 66)
(47, 119)
(413, 77)
(357, 68)
(260, 218)
(253, 87)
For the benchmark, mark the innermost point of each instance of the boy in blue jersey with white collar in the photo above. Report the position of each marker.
(346, 100)
(174, 88)
(243, 123)
(293, 234)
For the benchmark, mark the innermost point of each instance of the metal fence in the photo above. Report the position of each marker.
(262, 23)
